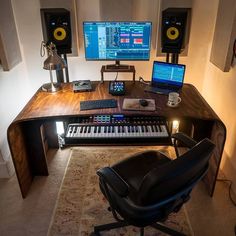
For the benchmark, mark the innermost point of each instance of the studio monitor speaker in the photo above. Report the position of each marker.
(173, 29)
(56, 28)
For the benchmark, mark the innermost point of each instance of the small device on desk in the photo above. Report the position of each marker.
(117, 88)
(82, 86)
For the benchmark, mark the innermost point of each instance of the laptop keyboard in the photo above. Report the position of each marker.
(159, 90)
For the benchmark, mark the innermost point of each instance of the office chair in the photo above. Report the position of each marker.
(145, 188)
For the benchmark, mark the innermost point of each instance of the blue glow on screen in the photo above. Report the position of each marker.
(168, 73)
(117, 40)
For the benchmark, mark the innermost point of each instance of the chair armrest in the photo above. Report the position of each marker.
(114, 180)
(185, 139)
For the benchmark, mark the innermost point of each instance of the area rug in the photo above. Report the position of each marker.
(80, 204)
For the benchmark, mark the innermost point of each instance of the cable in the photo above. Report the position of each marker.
(230, 187)
(234, 48)
(234, 52)
(42, 49)
(141, 80)
(230, 195)
(116, 76)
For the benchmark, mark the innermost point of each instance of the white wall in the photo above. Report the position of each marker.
(19, 84)
(217, 87)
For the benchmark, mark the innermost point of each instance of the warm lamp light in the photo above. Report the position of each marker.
(175, 126)
(53, 62)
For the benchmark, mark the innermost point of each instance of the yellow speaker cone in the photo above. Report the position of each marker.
(172, 33)
(59, 33)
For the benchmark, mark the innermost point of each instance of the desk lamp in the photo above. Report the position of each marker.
(53, 62)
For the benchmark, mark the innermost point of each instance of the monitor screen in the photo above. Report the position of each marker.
(117, 40)
(168, 73)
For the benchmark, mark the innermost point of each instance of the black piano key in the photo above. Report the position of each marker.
(142, 128)
(123, 129)
(152, 128)
(89, 129)
(155, 129)
(81, 129)
(162, 128)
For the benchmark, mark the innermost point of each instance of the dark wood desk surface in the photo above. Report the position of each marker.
(25, 133)
(67, 103)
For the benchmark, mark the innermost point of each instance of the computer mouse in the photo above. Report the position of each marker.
(143, 102)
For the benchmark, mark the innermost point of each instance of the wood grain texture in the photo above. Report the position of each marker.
(67, 103)
(20, 157)
(44, 109)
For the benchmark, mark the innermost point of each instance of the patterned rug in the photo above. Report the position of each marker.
(80, 204)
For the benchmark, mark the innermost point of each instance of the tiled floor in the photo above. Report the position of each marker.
(31, 216)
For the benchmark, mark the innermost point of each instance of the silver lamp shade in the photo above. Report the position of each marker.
(54, 62)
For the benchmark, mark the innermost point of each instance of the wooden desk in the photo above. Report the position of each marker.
(34, 128)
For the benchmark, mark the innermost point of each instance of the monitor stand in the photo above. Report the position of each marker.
(117, 66)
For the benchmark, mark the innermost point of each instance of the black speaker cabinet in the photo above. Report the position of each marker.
(56, 28)
(174, 22)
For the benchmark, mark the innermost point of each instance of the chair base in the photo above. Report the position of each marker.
(115, 225)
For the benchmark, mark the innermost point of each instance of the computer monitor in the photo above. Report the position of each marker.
(117, 41)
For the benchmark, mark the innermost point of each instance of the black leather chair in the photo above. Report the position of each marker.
(145, 188)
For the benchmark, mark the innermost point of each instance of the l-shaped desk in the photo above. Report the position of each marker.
(34, 131)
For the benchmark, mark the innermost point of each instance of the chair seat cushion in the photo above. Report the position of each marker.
(134, 168)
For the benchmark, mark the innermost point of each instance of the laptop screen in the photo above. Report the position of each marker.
(168, 74)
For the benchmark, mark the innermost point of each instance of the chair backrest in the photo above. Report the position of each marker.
(176, 175)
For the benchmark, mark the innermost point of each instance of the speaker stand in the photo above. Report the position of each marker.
(174, 57)
(66, 69)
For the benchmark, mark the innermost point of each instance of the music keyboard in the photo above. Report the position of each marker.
(117, 129)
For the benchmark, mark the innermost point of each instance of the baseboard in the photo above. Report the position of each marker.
(6, 169)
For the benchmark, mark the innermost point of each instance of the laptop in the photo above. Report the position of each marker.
(166, 77)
